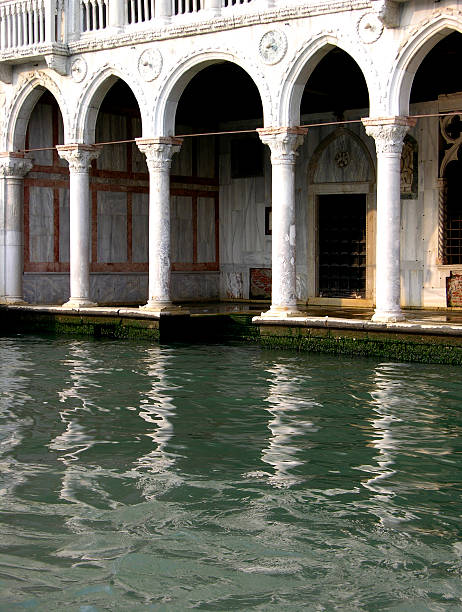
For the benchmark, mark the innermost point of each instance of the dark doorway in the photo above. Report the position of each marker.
(342, 245)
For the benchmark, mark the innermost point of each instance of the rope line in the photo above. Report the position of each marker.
(252, 131)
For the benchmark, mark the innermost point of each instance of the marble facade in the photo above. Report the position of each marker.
(160, 216)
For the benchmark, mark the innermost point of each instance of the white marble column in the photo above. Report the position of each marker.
(79, 157)
(159, 153)
(283, 143)
(388, 134)
(13, 168)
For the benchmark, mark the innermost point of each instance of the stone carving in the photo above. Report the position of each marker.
(159, 151)
(388, 133)
(79, 156)
(14, 165)
(370, 28)
(273, 47)
(342, 159)
(283, 143)
(150, 64)
(79, 69)
(409, 168)
(387, 12)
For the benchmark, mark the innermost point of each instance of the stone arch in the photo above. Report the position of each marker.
(92, 97)
(421, 40)
(351, 144)
(305, 60)
(18, 115)
(176, 81)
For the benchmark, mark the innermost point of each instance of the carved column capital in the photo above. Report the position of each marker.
(79, 156)
(283, 142)
(159, 151)
(388, 132)
(14, 165)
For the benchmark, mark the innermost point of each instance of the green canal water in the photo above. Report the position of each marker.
(139, 477)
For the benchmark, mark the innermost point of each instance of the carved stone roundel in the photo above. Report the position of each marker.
(150, 64)
(273, 47)
(342, 159)
(370, 28)
(79, 69)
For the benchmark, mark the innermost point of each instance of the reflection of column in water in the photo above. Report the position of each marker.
(75, 439)
(285, 425)
(12, 364)
(384, 396)
(157, 408)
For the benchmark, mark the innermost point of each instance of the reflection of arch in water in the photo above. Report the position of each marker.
(285, 425)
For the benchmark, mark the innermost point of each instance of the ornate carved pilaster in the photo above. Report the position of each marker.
(159, 152)
(283, 143)
(442, 200)
(79, 157)
(13, 168)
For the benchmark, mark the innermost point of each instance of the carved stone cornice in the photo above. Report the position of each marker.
(283, 142)
(388, 132)
(14, 165)
(220, 23)
(159, 151)
(79, 156)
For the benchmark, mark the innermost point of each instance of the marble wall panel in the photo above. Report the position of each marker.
(118, 288)
(112, 227)
(41, 220)
(206, 156)
(41, 134)
(182, 161)
(140, 227)
(205, 229)
(110, 127)
(195, 285)
(46, 288)
(181, 229)
(64, 225)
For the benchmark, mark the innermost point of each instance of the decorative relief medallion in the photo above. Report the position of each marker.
(370, 28)
(79, 69)
(150, 64)
(342, 159)
(273, 47)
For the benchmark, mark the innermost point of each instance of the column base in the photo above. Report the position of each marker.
(388, 316)
(163, 308)
(13, 301)
(72, 304)
(281, 312)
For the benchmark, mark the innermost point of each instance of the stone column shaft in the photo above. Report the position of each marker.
(159, 153)
(388, 134)
(283, 143)
(79, 157)
(13, 168)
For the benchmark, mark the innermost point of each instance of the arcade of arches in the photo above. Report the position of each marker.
(349, 211)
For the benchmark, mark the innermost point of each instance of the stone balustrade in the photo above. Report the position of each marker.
(28, 24)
